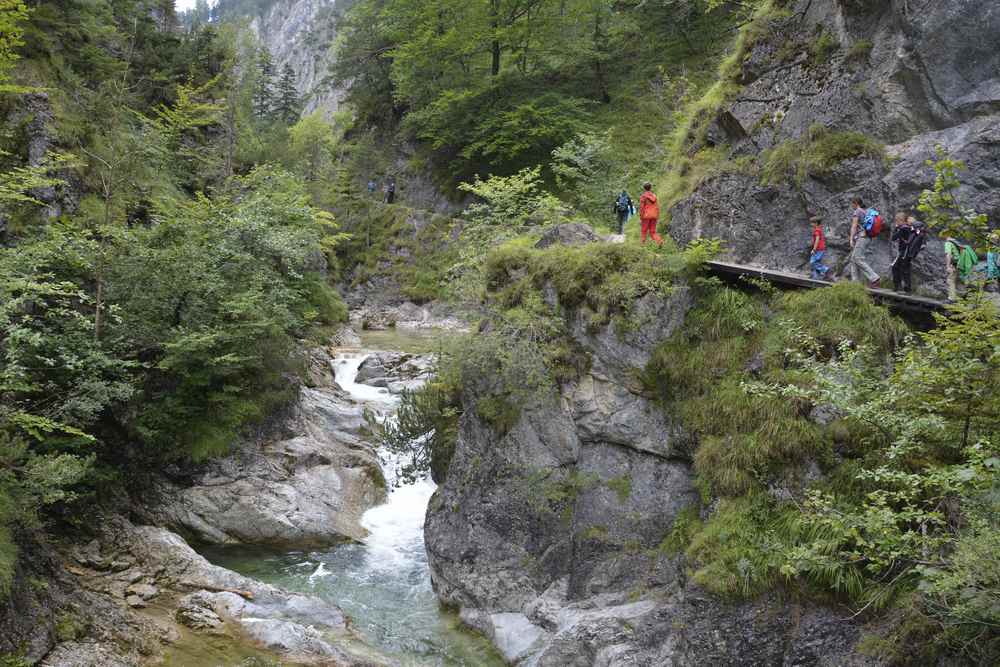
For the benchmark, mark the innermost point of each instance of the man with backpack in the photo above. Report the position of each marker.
(390, 190)
(910, 236)
(866, 225)
(624, 208)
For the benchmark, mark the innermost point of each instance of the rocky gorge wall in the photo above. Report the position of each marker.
(911, 74)
(551, 537)
(301, 33)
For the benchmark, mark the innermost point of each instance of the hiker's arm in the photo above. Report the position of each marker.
(854, 229)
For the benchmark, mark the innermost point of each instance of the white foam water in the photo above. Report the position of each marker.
(383, 584)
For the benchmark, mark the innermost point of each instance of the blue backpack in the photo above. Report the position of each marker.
(873, 223)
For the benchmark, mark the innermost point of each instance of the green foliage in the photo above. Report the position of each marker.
(509, 201)
(313, 141)
(504, 83)
(13, 13)
(737, 552)
(821, 48)
(69, 627)
(942, 207)
(816, 154)
(932, 427)
(622, 486)
(827, 319)
(586, 168)
(740, 439)
(689, 162)
(860, 51)
(426, 423)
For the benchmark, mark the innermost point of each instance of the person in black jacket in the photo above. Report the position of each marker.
(909, 234)
(624, 208)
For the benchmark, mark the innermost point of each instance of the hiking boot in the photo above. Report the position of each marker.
(873, 284)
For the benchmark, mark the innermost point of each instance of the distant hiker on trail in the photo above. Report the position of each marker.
(649, 214)
(910, 236)
(959, 259)
(390, 190)
(372, 186)
(624, 208)
(819, 269)
(866, 224)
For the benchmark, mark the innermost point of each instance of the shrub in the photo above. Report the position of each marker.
(738, 551)
(816, 154)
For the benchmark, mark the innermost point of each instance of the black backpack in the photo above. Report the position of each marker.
(918, 237)
(623, 203)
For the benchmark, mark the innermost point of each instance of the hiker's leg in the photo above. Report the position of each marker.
(813, 265)
(852, 261)
(652, 232)
(897, 274)
(906, 274)
(621, 223)
(645, 229)
(952, 283)
(861, 248)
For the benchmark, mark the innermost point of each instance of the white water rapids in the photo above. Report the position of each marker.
(383, 584)
(396, 528)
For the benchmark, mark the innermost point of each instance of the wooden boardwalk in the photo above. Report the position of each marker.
(892, 299)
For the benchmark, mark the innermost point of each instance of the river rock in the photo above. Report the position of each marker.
(395, 371)
(86, 654)
(196, 611)
(307, 485)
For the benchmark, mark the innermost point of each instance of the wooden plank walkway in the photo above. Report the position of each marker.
(888, 297)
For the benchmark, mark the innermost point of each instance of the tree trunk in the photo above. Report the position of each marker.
(495, 46)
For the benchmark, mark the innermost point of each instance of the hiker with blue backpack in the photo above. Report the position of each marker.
(624, 209)
(866, 225)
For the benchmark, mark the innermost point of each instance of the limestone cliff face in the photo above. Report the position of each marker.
(913, 74)
(301, 33)
(547, 537)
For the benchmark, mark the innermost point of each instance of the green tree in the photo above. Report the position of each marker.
(263, 94)
(13, 13)
(313, 140)
(943, 208)
(288, 106)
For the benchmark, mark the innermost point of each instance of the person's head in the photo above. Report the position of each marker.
(901, 218)
(912, 220)
(816, 221)
(647, 186)
(857, 202)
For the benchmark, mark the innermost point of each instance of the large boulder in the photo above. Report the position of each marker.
(187, 594)
(572, 233)
(304, 481)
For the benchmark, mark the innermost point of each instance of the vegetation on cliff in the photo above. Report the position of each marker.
(154, 278)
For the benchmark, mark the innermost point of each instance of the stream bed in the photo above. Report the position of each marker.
(383, 584)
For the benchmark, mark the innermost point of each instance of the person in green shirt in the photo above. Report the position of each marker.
(960, 259)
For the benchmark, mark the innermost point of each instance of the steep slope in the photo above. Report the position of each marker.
(910, 75)
(559, 532)
(300, 34)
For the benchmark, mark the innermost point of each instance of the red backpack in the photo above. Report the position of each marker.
(873, 223)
